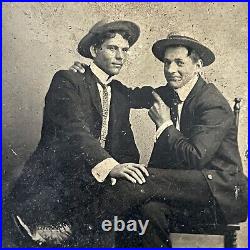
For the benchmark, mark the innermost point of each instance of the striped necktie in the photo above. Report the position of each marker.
(105, 112)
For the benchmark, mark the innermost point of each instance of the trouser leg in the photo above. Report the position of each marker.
(162, 187)
(129, 239)
(157, 233)
(186, 186)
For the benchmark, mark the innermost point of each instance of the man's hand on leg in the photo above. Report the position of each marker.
(130, 171)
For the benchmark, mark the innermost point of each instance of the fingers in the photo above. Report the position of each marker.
(78, 67)
(130, 171)
(129, 178)
(157, 98)
(152, 112)
(143, 169)
(133, 172)
(78, 64)
(72, 68)
(140, 171)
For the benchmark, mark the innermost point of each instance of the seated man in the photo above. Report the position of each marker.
(86, 136)
(195, 167)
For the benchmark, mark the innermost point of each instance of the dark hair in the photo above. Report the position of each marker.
(101, 38)
(193, 54)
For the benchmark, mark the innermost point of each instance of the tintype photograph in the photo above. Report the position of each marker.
(125, 124)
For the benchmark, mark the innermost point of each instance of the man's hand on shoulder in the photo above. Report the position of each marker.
(132, 172)
(78, 67)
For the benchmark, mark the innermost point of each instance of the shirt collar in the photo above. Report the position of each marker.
(184, 91)
(101, 75)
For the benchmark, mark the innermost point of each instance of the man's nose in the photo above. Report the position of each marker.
(172, 67)
(119, 54)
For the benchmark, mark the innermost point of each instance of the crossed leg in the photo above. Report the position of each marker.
(164, 191)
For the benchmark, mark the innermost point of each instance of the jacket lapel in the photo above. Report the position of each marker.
(194, 92)
(115, 104)
(196, 89)
(91, 81)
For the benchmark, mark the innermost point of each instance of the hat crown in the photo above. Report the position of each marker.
(174, 35)
(100, 24)
(110, 24)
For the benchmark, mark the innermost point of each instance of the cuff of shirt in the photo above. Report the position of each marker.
(162, 128)
(102, 170)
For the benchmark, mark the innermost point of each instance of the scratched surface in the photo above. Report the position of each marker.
(41, 38)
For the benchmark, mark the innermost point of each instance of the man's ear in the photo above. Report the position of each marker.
(199, 65)
(92, 50)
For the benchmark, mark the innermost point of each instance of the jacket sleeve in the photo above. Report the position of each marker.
(63, 108)
(213, 117)
(142, 97)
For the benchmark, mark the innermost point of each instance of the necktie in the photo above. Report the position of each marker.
(174, 108)
(105, 112)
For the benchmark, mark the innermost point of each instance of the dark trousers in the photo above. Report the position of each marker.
(168, 196)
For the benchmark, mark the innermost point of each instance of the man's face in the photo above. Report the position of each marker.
(179, 68)
(111, 55)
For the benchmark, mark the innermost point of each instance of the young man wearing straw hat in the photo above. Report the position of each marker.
(195, 170)
(86, 143)
(198, 142)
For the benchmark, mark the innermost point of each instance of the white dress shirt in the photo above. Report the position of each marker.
(183, 93)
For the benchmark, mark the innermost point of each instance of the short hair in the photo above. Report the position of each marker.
(192, 53)
(102, 37)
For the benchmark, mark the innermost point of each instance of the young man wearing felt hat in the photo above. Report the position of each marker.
(195, 170)
(86, 143)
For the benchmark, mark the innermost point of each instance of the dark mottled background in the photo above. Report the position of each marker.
(41, 38)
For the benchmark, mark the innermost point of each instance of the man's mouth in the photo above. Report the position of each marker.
(174, 78)
(119, 65)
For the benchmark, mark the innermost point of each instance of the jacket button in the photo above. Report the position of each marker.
(210, 177)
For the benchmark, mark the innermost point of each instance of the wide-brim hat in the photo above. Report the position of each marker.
(159, 47)
(104, 26)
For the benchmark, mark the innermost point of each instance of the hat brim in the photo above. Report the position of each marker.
(129, 27)
(205, 53)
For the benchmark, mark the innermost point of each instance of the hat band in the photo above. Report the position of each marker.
(182, 38)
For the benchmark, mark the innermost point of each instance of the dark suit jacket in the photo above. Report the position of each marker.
(207, 141)
(57, 178)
